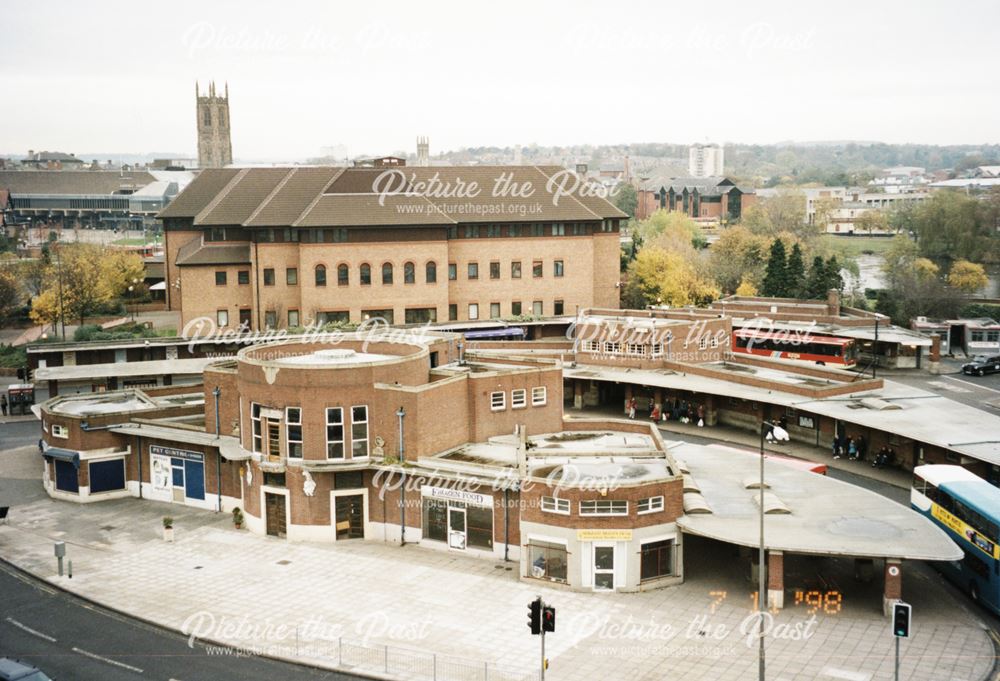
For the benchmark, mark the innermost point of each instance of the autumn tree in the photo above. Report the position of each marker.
(663, 277)
(672, 224)
(738, 256)
(967, 277)
(11, 296)
(872, 221)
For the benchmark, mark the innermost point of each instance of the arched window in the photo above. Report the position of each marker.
(409, 273)
(343, 275)
(431, 273)
(387, 273)
(366, 274)
(321, 275)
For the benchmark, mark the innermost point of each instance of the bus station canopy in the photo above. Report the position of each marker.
(805, 513)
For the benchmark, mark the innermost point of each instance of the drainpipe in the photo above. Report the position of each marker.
(506, 523)
(875, 351)
(139, 454)
(218, 465)
(400, 413)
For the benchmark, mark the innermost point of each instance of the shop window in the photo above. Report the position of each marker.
(335, 433)
(479, 526)
(555, 505)
(359, 431)
(548, 561)
(435, 519)
(650, 505)
(518, 398)
(604, 507)
(107, 476)
(293, 432)
(498, 401)
(657, 559)
(539, 395)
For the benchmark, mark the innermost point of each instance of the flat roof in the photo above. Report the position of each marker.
(129, 400)
(157, 367)
(229, 446)
(895, 408)
(861, 523)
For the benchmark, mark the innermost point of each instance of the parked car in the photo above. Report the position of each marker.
(15, 670)
(981, 364)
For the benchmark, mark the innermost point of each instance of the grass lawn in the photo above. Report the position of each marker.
(853, 246)
(129, 242)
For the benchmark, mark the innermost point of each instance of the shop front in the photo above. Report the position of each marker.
(177, 476)
(457, 520)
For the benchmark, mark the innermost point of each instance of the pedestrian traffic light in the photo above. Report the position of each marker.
(548, 618)
(901, 619)
(535, 616)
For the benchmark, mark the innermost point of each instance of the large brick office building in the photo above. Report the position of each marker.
(289, 247)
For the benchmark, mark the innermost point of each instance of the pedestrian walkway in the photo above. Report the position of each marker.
(313, 602)
(740, 437)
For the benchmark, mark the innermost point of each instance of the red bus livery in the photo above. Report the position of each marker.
(781, 344)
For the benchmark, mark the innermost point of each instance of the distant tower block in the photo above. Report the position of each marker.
(423, 151)
(215, 147)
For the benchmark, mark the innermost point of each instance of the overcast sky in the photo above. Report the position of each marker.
(119, 76)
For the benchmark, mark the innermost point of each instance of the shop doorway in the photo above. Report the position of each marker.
(456, 528)
(274, 507)
(349, 512)
(604, 567)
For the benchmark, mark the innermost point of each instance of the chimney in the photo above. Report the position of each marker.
(833, 302)
(934, 364)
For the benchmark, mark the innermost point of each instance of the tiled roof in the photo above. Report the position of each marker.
(199, 193)
(329, 197)
(65, 182)
(196, 253)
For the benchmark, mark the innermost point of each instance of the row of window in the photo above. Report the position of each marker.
(340, 234)
(341, 436)
(518, 398)
(409, 273)
(549, 560)
(641, 349)
(518, 230)
(602, 506)
(411, 315)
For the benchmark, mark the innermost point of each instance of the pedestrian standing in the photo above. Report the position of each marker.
(631, 408)
(836, 448)
(3, 404)
(852, 449)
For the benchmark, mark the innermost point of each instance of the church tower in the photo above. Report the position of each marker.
(215, 147)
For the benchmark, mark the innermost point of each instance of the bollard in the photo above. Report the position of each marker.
(60, 551)
(69, 566)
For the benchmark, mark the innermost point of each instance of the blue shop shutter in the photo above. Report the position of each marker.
(66, 477)
(194, 480)
(106, 476)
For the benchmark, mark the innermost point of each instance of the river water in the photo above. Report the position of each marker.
(870, 271)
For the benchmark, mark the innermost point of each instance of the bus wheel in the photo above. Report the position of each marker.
(974, 591)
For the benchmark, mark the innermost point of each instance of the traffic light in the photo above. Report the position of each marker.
(20, 374)
(535, 616)
(548, 618)
(901, 619)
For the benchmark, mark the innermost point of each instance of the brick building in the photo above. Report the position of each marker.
(715, 199)
(401, 440)
(291, 247)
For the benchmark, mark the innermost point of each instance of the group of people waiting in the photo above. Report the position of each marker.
(854, 448)
(678, 410)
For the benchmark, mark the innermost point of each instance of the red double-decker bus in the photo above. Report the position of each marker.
(795, 345)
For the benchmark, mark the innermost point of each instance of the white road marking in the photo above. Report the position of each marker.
(33, 632)
(970, 383)
(847, 675)
(95, 656)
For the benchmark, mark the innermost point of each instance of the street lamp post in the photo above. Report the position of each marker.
(769, 431)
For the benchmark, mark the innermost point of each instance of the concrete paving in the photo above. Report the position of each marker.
(329, 603)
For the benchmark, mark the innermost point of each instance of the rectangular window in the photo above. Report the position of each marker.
(334, 433)
(537, 269)
(292, 276)
(557, 307)
(293, 432)
(558, 229)
(471, 231)
(258, 442)
(359, 431)
(515, 308)
(222, 317)
(538, 230)
(269, 277)
(220, 278)
(515, 269)
(548, 561)
(420, 315)
(656, 559)
(494, 270)
(557, 268)
(270, 319)
(604, 507)
(243, 277)
(539, 394)
(494, 310)
(452, 271)
(518, 398)
(493, 230)
(555, 505)
(473, 270)
(452, 312)
(498, 400)
(473, 311)
(635, 349)
(60, 431)
(293, 317)
(514, 230)
(387, 314)
(536, 308)
(650, 505)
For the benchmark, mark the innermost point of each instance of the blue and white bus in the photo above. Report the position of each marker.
(968, 509)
